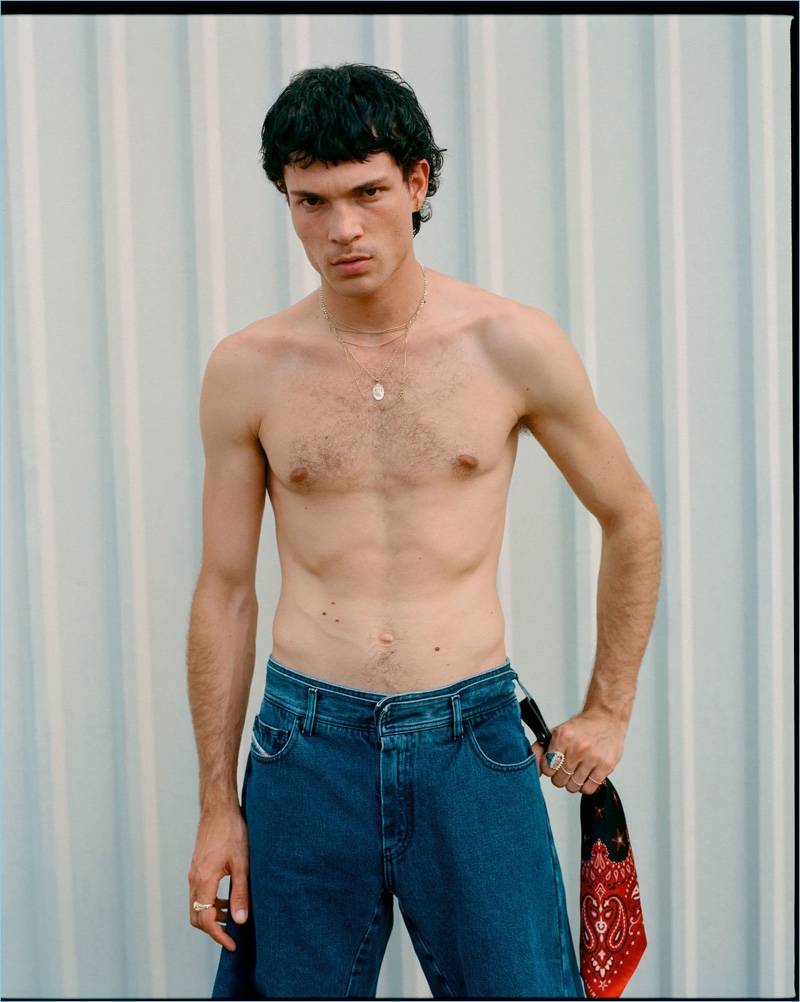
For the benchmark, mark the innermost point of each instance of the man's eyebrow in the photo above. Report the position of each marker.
(365, 186)
(370, 184)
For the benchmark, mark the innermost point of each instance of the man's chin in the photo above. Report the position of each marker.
(364, 283)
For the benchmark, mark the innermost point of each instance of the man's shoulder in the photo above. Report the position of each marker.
(501, 324)
(261, 342)
(522, 344)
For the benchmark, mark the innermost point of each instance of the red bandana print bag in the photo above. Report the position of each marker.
(612, 936)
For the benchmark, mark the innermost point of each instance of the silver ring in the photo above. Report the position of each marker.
(599, 782)
(561, 767)
(199, 907)
(555, 759)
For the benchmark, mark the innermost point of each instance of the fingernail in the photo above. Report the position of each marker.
(240, 916)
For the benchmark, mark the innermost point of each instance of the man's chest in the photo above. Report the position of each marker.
(331, 435)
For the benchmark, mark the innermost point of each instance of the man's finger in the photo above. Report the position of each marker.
(552, 762)
(211, 920)
(222, 911)
(562, 776)
(239, 902)
(591, 785)
(197, 907)
(538, 751)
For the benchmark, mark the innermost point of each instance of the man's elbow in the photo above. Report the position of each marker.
(225, 593)
(637, 520)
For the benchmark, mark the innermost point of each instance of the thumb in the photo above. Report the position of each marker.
(239, 900)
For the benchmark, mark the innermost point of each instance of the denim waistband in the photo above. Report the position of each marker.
(316, 699)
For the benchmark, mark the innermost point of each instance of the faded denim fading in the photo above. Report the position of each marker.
(434, 797)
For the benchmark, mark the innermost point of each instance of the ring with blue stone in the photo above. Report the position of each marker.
(555, 759)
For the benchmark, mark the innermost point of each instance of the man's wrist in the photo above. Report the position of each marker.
(615, 711)
(218, 801)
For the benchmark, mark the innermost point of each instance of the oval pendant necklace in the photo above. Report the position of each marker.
(378, 389)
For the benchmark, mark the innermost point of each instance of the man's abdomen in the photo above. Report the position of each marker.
(404, 642)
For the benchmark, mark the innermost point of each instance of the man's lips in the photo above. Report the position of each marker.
(350, 264)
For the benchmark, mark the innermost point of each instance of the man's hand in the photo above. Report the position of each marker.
(591, 745)
(221, 850)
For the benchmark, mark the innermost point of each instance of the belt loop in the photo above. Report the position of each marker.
(381, 714)
(308, 721)
(458, 726)
(518, 680)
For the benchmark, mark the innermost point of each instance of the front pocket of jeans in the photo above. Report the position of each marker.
(498, 740)
(268, 743)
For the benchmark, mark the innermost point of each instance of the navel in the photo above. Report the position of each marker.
(467, 462)
(299, 474)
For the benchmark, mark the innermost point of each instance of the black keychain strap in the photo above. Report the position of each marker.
(532, 716)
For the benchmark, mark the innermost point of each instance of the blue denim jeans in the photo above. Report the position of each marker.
(434, 797)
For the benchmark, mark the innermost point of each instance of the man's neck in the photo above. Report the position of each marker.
(390, 306)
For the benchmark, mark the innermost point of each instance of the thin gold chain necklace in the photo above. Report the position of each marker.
(343, 325)
(378, 389)
(380, 344)
(377, 380)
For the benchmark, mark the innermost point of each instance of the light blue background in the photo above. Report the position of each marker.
(628, 174)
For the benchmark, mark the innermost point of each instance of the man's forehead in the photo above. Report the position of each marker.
(345, 175)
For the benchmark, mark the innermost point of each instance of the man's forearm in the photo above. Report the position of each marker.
(221, 654)
(627, 591)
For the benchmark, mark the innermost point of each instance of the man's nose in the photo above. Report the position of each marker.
(344, 224)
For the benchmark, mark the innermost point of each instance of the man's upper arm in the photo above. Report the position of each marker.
(563, 415)
(234, 485)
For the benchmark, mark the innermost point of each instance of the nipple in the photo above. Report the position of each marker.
(386, 639)
(298, 474)
(467, 461)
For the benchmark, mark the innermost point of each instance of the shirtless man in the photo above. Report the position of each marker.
(381, 416)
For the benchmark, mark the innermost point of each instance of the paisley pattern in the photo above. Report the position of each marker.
(612, 931)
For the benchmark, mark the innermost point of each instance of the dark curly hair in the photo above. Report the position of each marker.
(338, 114)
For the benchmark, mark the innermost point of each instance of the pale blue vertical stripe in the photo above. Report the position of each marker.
(296, 44)
(146, 810)
(215, 237)
(45, 602)
(582, 304)
(771, 526)
(679, 598)
(388, 41)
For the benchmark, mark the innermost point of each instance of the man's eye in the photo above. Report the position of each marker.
(371, 192)
(309, 202)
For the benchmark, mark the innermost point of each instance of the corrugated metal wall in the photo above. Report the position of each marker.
(630, 175)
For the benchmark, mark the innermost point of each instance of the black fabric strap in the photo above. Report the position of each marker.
(532, 716)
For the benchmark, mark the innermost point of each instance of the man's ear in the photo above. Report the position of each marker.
(418, 181)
